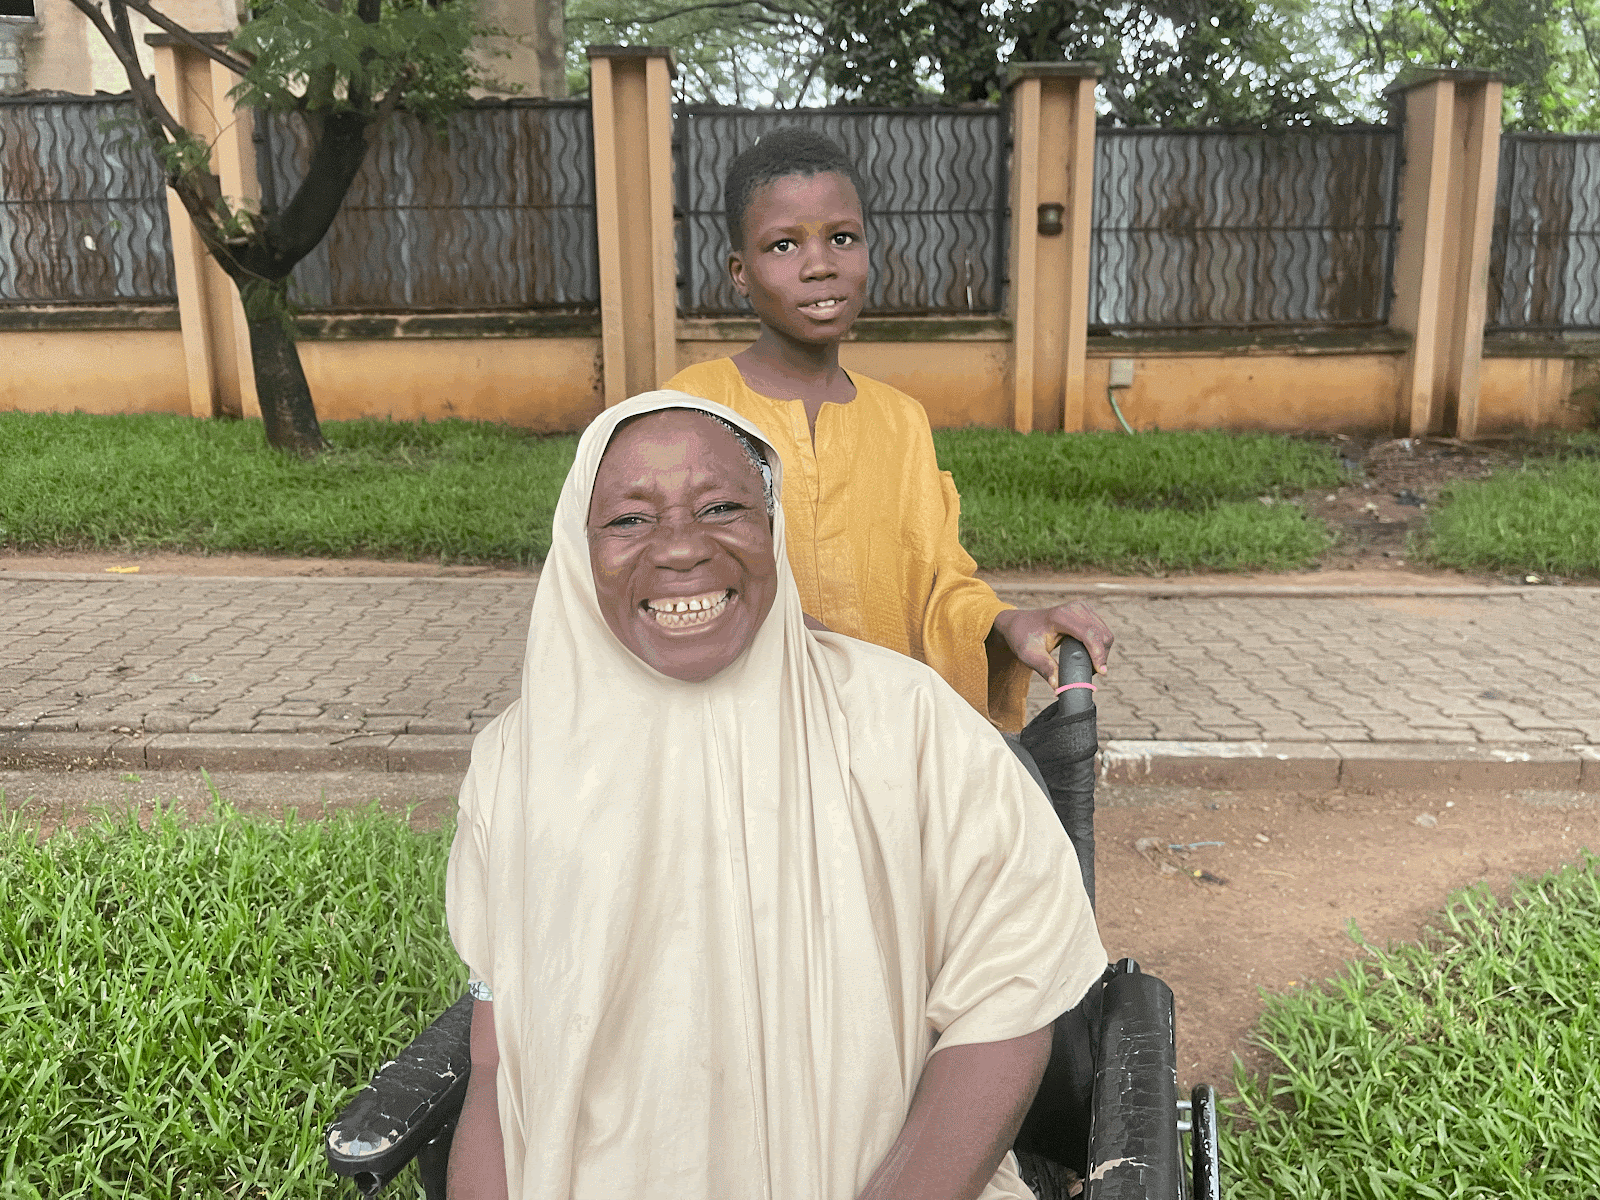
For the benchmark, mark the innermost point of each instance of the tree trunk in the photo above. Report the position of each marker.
(286, 408)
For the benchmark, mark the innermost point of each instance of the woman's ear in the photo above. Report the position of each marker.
(736, 273)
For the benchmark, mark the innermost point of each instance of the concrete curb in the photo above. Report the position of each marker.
(1243, 765)
(1143, 588)
(1292, 765)
(1157, 590)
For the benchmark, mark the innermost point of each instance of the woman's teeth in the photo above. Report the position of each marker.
(692, 610)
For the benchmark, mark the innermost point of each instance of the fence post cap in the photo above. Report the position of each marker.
(1017, 72)
(167, 39)
(665, 52)
(1415, 77)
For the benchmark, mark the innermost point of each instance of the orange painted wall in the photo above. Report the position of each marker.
(93, 370)
(548, 385)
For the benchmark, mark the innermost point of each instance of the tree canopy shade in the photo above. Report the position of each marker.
(344, 66)
(1176, 63)
(1547, 51)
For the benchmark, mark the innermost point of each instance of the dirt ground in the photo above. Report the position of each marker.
(1292, 873)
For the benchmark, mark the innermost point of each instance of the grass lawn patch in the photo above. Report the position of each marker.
(451, 490)
(1544, 517)
(1462, 1067)
(184, 1007)
(1152, 501)
(469, 492)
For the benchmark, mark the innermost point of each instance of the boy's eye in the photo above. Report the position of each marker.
(783, 245)
(843, 238)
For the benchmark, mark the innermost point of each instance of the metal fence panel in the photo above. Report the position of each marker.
(1209, 229)
(1544, 261)
(935, 208)
(497, 214)
(83, 207)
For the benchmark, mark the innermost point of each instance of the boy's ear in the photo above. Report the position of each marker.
(736, 273)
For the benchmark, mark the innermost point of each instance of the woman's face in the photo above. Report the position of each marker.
(680, 544)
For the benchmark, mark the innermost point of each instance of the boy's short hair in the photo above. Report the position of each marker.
(789, 150)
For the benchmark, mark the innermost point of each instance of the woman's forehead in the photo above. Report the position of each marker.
(673, 442)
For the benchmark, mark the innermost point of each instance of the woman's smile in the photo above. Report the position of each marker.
(689, 612)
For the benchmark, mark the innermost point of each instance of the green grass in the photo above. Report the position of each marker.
(460, 491)
(1156, 501)
(183, 1008)
(1463, 1067)
(1543, 518)
(452, 490)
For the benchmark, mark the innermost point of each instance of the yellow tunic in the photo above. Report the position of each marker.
(874, 531)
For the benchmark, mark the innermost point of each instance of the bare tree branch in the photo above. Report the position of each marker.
(144, 92)
(237, 65)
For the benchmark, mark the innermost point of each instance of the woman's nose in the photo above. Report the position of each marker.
(680, 544)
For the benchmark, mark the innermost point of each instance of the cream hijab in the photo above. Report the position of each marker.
(723, 921)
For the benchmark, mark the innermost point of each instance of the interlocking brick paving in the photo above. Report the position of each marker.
(442, 656)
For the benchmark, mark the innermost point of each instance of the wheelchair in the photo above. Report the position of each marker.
(1107, 1116)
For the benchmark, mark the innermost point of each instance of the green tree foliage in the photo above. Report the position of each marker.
(344, 67)
(1548, 51)
(749, 53)
(1163, 62)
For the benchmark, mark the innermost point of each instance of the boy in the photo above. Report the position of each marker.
(873, 524)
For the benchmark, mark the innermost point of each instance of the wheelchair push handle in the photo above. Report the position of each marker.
(1073, 666)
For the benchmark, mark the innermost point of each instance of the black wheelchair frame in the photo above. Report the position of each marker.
(1107, 1111)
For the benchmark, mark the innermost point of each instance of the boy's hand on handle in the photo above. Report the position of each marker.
(1032, 634)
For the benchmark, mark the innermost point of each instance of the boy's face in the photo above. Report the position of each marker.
(803, 265)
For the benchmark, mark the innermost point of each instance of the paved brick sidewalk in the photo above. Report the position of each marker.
(377, 670)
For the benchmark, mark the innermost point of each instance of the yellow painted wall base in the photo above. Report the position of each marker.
(1279, 393)
(1521, 394)
(553, 384)
(549, 385)
(98, 371)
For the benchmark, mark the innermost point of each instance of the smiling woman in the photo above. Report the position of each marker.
(680, 542)
(750, 910)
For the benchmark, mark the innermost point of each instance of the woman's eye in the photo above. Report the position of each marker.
(724, 508)
(625, 522)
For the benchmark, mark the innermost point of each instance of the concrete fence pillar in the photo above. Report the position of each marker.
(216, 342)
(1052, 201)
(1451, 121)
(630, 92)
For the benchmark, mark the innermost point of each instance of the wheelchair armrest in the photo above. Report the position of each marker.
(407, 1103)
(1134, 1149)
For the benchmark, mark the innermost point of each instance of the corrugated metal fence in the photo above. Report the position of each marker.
(83, 210)
(1544, 263)
(936, 203)
(1198, 229)
(1192, 229)
(498, 213)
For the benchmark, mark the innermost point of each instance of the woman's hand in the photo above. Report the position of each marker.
(1032, 635)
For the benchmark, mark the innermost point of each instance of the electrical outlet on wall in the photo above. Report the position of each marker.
(1122, 372)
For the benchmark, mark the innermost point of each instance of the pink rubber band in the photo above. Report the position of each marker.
(1067, 687)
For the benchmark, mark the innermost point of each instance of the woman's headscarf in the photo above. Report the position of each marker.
(722, 920)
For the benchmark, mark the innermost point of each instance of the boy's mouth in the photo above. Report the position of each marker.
(823, 308)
